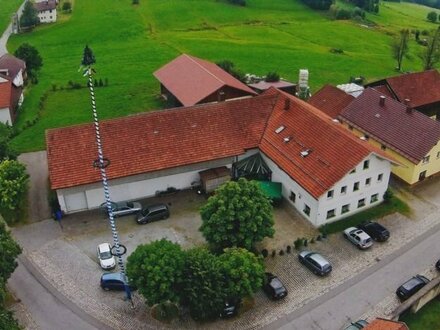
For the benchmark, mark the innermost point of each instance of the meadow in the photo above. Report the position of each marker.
(131, 42)
(7, 9)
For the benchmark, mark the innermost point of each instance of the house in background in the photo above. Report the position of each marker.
(405, 134)
(421, 90)
(325, 171)
(188, 80)
(12, 75)
(282, 85)
(46, 10)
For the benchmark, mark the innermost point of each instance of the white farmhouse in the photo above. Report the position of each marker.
(326, 172)
(46, 10)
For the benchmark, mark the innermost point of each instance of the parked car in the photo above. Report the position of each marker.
(230, 308)
(274, 288)
(376, 231)
(358, 237)
(105, 257)
(411, 286)
(437, 265)
(114, 281)
(360, 324)
(153, 213)
(122, 208)
(315, 262)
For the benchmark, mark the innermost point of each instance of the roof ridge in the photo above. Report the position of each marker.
(192, 59)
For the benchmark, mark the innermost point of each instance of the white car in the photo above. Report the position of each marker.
(358, 237)
(105, 257)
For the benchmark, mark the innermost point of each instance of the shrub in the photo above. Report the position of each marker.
(281, 252)
(264, 253)
(305, 242)
(274, 253)
(432, 16)
(297, 244)
(318, 4)
(387, 196)
(67, 6)
(342, 14)
(272, 77)
(135, 2)
(238, 2)
(289, 248)
(336, 51)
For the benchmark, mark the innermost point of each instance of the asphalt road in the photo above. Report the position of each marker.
(352, 299)
(48, 311)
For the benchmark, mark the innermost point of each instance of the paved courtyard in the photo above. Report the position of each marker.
(66, 256)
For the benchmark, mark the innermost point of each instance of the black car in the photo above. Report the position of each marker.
(274, 288)
(360, 324)
(230, 308)
(377, 232)
(411, 286)
(437, 265)
(113, 281)
(153, 213)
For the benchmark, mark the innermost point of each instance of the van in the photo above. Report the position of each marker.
(153, 213)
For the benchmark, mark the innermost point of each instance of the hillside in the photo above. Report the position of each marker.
(131, 42)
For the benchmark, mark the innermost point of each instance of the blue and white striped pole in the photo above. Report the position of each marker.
(102, 166)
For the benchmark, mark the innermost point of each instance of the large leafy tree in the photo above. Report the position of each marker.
(399, 47)
(29, 16)
(244, 272)
(204, 284)
(238, 215)
(6, 151)
(31, 56)
(14, 183)
(156, 269)
(431, 55)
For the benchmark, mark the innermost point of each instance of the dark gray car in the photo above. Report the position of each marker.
(315, 262)
(153, 213)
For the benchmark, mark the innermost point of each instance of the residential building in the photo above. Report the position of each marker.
(13, 68)
(46, 10)
(421, 90)
(331, 100)
(325, 171)
(188, 80)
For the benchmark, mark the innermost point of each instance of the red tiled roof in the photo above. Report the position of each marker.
(191, 79)
(13, 64)
(157, 140)
(385, 90)
(5, 93)
(382, 324)
(331, 100)
(421, 88)
(334, 150)
(412, 134)
(45, 5)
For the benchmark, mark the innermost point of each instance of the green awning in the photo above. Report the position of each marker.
(273, 190)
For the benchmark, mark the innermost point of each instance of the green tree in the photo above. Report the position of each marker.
(7, 321)
(229, 67)
(88, 57)
(399, 47)
(10, 250)
(13, 188)
(243, 270)
(432, 16)
(31, 56)
(6, 151)
(238, 215)
(156, 270)
(204, 284)
(67, 6)
(29, 16)
(431, 55)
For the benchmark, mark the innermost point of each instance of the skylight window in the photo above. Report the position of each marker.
(287, 139)
(279, 129)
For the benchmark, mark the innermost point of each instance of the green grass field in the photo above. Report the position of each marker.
(8, 8)
(131, 42)
(427, 318)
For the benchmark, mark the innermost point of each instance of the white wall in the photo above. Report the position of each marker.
(48, 16)
(18, 79)
(5, 116)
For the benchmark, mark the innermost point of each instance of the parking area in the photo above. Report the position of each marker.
(67, 258)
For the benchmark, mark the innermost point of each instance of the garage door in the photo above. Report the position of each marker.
(76, 201)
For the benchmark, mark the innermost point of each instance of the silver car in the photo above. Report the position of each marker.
(315, 262)
(358, 237)
(122, 208)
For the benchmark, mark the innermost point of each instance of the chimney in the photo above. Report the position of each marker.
(286, 104)
(407, 102)
(221, 96)
(382, 100)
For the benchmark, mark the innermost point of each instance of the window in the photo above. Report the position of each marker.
(330, 194)
(361, 202)
(331, 214)
(345, 208)
(306, 209)
(366, 164)
(374, 198)
(292, 196)
(425, 160)
(350, 127)
(438, 155)
(356, 186)
(383, 147)
(367, 181)
(343, 190)
(380, 177)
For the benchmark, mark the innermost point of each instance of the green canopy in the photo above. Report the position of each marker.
(273, 190)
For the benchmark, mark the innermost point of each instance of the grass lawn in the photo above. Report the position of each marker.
(131, 42)
(427, 318)
(395, 205)
(8, 8)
